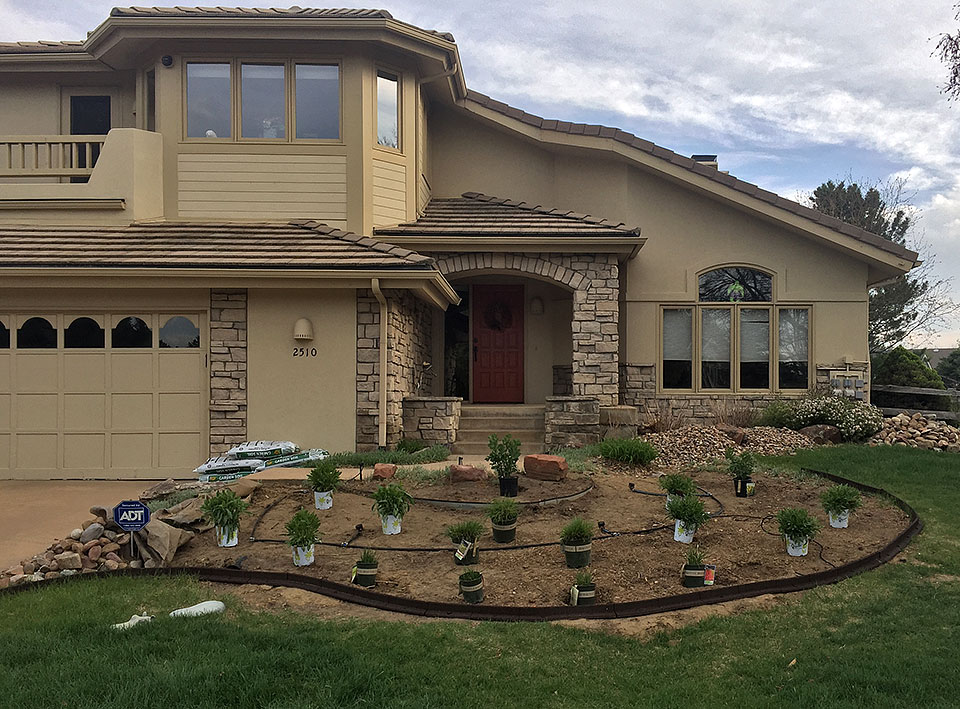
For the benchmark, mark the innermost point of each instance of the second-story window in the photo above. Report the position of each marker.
(275, 101)
(388, 108)
(263, 101)
(208, 100)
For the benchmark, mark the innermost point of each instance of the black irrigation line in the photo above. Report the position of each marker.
(631, 609)
(702, 493)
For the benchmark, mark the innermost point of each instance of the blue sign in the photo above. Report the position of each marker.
(131, 515)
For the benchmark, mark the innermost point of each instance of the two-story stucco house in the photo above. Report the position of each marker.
(226, 224)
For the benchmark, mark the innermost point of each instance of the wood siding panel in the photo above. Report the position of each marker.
(263, 186)
(389, 193)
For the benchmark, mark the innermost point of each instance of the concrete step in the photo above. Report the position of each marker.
(495, 424)
(481, 449)
(501, 410)
(526, 436)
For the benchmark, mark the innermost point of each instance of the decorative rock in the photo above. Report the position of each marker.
(87, 563)
(76, 547)
(88, 571)
(734, 433)
(545, 467)
(107, 548)
(122, 539)
(68, 572)
(91, 532)
(28, 567)
(86, 523)
(136, 564)
(149, 564)
(467, 474)
(75, 534)
(17, 579)
(69, 560)
(101, 512)
(94, 553)
(384, 471)
(4, 581)
(111, 535)
(104, 540)
(112, 557)
(111, 565)
(51, 575)
(822, 433)
(54, 565)
(89, 545)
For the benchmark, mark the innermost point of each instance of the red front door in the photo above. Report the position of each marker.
(498, 344)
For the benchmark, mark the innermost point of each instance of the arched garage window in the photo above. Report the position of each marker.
(36, 334)
(179, 331)
(132, 332)
(737, 339)
(83, 333)
(4, 336)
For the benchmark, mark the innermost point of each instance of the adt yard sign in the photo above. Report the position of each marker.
(131, 515)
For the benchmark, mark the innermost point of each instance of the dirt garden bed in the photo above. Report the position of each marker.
(625, 568)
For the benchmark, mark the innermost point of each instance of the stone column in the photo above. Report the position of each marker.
(596, 338)
(228, 369)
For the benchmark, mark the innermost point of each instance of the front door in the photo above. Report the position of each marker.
(497, 344)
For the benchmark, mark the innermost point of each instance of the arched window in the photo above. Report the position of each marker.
(179, 331)
(132, 332)
(83, 333)
(4, 337)
(736, 339)
(36, 334)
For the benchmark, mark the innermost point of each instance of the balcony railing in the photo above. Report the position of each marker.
(49, 155)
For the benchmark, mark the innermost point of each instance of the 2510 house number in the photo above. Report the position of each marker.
(304, 351)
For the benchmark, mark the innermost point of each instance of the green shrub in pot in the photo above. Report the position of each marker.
(471, 586)
(323, 479)
(741, 467)
(689, 514)
(576, 538)
(468, 532)
(503, 456)
(694, 570)
(503, 515)
(838, 502)
(223, 511)
(676, 485)
(798, 527)
(584, 591)
(303, 531)
(365, 572)
(392, 503)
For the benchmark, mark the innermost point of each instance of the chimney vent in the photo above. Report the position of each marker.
(708, 160)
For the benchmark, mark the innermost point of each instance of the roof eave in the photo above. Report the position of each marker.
(624, 245)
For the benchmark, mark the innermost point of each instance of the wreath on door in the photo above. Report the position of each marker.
(498, 316)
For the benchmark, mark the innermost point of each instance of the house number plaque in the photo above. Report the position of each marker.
(304, 351)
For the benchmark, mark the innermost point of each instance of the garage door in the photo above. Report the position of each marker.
(101, 395)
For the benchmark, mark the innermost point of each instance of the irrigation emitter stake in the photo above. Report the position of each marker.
(356, 534)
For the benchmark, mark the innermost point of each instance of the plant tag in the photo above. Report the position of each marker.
(709, 574)
(462, 550)
(353, 574)
(751, 488)
(574, 594)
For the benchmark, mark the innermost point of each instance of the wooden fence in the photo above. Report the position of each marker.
(952, 394)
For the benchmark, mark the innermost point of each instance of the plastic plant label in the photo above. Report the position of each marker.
(709, 574)
(574, 594)
(462, 550)
(751, 488)
(353, 574)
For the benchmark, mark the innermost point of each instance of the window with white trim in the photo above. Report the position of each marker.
(736, 339)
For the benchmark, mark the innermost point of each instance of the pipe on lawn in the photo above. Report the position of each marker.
(382, 422)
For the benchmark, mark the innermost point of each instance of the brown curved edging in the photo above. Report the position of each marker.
(431, 609)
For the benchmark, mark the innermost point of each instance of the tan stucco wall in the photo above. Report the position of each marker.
(686, 232)
(308, 400)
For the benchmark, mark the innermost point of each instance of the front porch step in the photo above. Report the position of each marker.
(493, 424)
(501, 410)
(529, 435)
(481, 449)
(525, 422)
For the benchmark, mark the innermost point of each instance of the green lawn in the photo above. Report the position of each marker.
(886, 638)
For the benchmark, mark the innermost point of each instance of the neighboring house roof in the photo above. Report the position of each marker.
(475, 213)
(295, 245)
(695, 167)
(41, 47)
(935, 355)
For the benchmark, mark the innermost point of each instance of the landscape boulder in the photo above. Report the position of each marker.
(541, 466)
(734, 433)
(384, 471)
(467, 474)
(822, 433)
(94, 531)
(69, 560)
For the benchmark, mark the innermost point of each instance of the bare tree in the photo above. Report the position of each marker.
(948, 50)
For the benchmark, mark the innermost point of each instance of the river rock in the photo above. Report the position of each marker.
(94, 531)
(75, 534)
(69, 560)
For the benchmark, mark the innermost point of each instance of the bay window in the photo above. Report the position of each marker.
(736, 339)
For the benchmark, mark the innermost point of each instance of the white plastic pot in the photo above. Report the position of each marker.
(390, 524)
(797, 547)
(839, 521)
(682, 533)
(303, 556)
(323, 500)
(670, 498)
(226, 538)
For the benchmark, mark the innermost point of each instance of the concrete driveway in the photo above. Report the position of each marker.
(33, 513)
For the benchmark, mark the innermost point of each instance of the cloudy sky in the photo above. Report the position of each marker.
(789, 94)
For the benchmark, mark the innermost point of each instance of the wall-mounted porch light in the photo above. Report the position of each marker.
(303, 330)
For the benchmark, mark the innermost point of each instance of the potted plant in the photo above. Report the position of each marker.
(303, 531)
(466, 536)
(504, 453)
(694, 571)
(798, 527)
(741, 467)
(689, 515)
(391, 502)
(365, 572)
(838, 502)
(323, 479)
(576, 538)
(676, 486)
(223, 511)
(503, 515)
(471, 586)
(584, 590)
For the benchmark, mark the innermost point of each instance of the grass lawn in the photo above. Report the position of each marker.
(886, 638)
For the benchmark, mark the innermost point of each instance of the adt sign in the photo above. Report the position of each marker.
(131, 515)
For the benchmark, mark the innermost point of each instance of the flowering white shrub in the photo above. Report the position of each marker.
(861, 421)
(855, 419)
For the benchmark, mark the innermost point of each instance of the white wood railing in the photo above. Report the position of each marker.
(49, 155)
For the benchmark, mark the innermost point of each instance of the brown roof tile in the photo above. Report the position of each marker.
(278, 245)
(713, 174)
(476, 214)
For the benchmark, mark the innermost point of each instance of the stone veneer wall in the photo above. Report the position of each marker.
(571, 421)
(595, 282)
(434, 419)
(409, 327)
(562, 380)
(228, 369)
(638, 387)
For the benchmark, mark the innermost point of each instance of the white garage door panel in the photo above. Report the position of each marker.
(104, 412)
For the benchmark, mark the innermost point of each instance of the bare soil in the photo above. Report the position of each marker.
(625, 568)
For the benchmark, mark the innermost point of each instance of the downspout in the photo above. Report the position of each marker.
(382, 423)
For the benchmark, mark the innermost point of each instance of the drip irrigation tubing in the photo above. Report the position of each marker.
(702, 493)
(630, 609)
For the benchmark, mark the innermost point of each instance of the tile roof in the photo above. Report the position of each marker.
(476, 214)
(696, 167)
(270, 245)
(42, 47)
